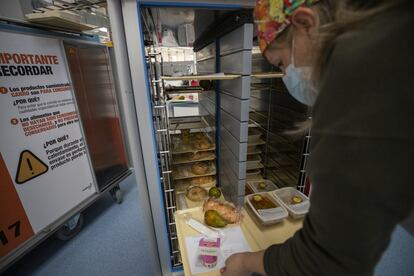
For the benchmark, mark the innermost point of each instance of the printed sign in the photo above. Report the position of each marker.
(41, 139)
(30, 166)
(14, 224)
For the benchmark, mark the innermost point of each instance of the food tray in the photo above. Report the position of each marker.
(183, 184)
(177, 137)
(254, 166)
(254, 175)
(268, 216)
(257, 237)
(284, 195)
(256, 143)
(270, 186)
(182, 101)
(254, 135)
(179, 148)
(184, 172)
(253, 150)
(183, 159)
(187, 125)
(185, 203)
(254, 159)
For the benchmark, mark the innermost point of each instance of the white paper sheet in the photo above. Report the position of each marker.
(233, 242)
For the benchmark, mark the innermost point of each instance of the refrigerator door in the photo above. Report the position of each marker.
(91, 75)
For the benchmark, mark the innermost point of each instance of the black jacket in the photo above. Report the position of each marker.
(362, 153)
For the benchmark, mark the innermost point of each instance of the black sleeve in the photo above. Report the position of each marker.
(362, 155)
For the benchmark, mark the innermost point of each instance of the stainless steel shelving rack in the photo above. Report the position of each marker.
(262, 116)
(163, 143)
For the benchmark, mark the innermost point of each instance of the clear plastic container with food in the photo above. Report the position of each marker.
(262, 185)
(248, 190)
(295, 202)
(266, 208)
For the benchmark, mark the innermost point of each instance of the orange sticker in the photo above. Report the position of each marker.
(15, 227)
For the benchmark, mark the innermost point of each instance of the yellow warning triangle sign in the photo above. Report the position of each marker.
(30, 166)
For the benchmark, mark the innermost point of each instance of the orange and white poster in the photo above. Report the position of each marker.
(41, 144)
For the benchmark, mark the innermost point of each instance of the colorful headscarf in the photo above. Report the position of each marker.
(273, 16)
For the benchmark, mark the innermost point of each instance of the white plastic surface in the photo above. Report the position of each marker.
(284, 196)
(268, 216)
(201, 228)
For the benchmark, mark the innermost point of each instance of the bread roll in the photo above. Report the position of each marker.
(196, 193)
(199, 168)
(202, 180)
(203, 144)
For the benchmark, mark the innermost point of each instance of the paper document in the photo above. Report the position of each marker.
(233, 242)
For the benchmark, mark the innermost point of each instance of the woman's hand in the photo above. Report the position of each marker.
(235, 265)
(244, 264)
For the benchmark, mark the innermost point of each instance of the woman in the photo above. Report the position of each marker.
(362, 137)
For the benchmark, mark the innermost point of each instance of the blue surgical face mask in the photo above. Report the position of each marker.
(298, 81)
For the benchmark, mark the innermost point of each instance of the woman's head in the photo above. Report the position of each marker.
(288, 29)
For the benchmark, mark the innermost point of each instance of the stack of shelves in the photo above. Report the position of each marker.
(163, 142)
(193, 163)
(254, 164)
(274, 113)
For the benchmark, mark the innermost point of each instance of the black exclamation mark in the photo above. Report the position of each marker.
(30, 165)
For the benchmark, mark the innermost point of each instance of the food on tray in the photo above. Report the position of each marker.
(185, 135)
(214, 192)
(296, 200)
(248, 190)
(202, 144)
(199, 168)
(179, 98)
(224, 209)
(262, 185)
(208, 248)
(262, 202)
(195, 155)
(199, 135)
(214, 219)
(199, 155)
(202, 180)
(196, 193)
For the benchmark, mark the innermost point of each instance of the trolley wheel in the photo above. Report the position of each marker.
(71, 228)
(116, 194)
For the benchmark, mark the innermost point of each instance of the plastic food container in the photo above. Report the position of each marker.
(285, 197)
(248, 190)
(262, 185)
(208, 248)
(268, 215)
(254, 135)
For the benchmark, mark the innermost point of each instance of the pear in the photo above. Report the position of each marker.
(212, 218)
